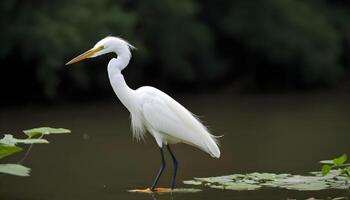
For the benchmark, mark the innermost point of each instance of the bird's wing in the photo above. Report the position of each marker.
(168, 117)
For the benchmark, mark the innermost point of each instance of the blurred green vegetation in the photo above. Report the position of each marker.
(261, 44)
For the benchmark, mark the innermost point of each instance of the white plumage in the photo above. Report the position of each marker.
(151, 109)
(169, 122)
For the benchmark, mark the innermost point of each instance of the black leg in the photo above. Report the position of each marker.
(175, 167)
(162, 167)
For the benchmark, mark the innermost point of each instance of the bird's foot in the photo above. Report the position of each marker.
(155, 190)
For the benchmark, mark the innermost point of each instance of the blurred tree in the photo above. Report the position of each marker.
(276, 43)
(178, 44)
(287, 43)
(45, 34)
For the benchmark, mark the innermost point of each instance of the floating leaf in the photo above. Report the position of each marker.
(45, 131)
(262, 176)
(250, 181)
(192, 182)
(331, 175)
(14, 169)
(241, 186)
(329, 162)
(254, 181)
(219, 179)
(217, 186)
(166, 190)
(9, 140)
(6, 150)
(312, 186)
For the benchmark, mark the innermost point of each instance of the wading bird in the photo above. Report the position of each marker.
(151, 109)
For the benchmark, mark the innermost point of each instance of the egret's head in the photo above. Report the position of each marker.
(106, 45)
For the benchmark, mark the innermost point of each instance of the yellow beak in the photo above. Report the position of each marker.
(84, 55)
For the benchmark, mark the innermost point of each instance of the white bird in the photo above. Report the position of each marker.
(151, 109)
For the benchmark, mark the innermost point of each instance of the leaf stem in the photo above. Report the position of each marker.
(28, 151)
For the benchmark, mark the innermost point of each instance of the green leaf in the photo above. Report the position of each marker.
(340, 160)
(312, 186)
(14, 169)
(8, 150)
(345, 172)
(262, 176)
(254, 181)
(241, 186)
(9, 140)
(329, 162)
(192, 182)
(167, 190)
(45, 131)
(326, 169)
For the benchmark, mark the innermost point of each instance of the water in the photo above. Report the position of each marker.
(285, 133)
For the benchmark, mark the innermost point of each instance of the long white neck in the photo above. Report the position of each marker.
(122, 90)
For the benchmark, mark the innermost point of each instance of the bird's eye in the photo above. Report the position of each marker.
(101, 47)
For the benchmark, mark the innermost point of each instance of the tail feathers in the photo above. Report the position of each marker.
(213, 147)
(211, 143)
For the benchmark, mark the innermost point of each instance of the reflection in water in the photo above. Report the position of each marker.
(167, 196)
(154, 196)
(275, 133)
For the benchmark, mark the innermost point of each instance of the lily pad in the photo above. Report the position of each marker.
(255, 180)
(241, 186)
(218, 179)
(331, 175)
(165, 190)
(217, 186)
(14, 169)
(45, 131)
(313, 186)
(192, 182)
(330, 162)
(9, 140)
(262, 176)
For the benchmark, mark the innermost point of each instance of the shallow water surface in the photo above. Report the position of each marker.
(286, 133)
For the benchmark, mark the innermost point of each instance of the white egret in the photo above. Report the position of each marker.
(151, 109)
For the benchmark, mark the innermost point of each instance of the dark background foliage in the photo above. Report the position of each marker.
(187, 45)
